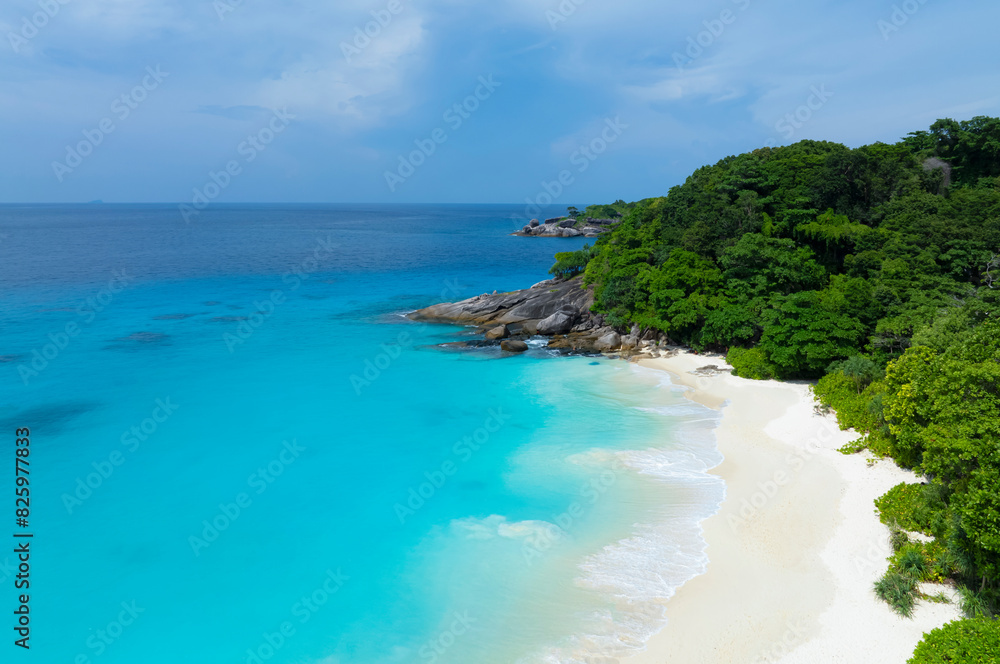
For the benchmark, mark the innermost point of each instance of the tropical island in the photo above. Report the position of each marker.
(874, 274)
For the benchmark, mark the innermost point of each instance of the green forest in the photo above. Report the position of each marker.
(875, 271)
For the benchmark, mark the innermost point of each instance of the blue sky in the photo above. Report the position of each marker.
(855, 71)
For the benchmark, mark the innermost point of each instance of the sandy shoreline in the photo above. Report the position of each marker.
(796, 546)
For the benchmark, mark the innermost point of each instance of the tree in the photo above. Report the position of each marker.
(979, 507)
(681, 293)
(942, 408)
(757, 265)
(571, 263)
(860, 369)
(833, 234)
(992, 273)
(803, 337)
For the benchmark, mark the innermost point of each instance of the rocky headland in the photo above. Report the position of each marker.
(568, 227)
(556, 310)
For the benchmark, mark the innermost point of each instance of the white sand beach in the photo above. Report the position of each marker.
(796, 546)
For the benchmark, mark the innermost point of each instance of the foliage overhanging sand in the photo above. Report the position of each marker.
(796, 546)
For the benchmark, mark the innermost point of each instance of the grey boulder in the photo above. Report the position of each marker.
(560, 322)
(499, 332)
(609, 342)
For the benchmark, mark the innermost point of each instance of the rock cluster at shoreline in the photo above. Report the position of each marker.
(556, 309)
(568, 227)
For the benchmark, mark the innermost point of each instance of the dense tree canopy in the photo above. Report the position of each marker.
(812, 252)
(876, 270)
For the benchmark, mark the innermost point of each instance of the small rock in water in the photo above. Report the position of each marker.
(514, 346)
(498, 333)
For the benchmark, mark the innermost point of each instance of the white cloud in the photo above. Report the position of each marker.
(362, 92)
(124, 18)
(708, 81)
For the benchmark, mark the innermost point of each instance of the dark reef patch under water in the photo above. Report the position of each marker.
(174, 316)
(49, 419)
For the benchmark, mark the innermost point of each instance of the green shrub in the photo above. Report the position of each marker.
(897, 537)
(977, 604)
(938, 565)
(835, 390)
(751, 363)
(924, 561)
(855, 446)
(911, 561)
(861, 370)
(838, 391)
(960, 642)
(898, 591)
(862, 412)
(906, 506)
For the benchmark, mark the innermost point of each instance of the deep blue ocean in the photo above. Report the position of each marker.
(243, 452)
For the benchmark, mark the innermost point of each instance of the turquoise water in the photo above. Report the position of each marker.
(245, 452)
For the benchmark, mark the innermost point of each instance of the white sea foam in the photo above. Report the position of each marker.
(537, 342)
(639, 574)
(661, 378)
(678, 410)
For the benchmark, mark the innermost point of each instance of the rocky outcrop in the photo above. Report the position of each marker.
(710, 371)
(559, 310)
(524, 307)
(568, 227)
